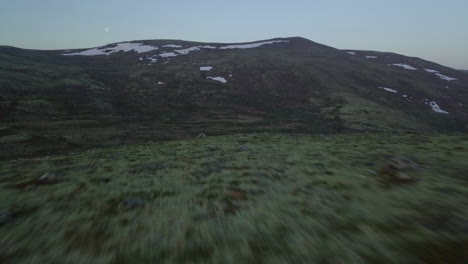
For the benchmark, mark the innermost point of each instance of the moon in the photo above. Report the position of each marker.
(107, 29)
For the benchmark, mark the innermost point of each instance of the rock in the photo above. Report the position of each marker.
(134, 202)
(5, 130)
(236, 195)
(397, 171)
(201, 135)
(244, 147)
(50, 178)
(323, 136)
(153, 166)
(402, 177)
(15, 138)
(214, 168)
(214, 148)
(5, 217)
(401, 163)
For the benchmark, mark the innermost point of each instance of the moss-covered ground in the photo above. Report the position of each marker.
(258, 198)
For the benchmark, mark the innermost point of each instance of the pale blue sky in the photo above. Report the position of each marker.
(434, 30)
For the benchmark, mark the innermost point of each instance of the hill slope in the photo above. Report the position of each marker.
(262, 198)
(162, 89)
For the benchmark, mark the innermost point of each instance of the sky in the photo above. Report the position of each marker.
(430, 29)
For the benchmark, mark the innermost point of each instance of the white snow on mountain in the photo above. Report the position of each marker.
(125, 47)
(444, 77)
(252, 45)
(184, 51)
(219, 79)
(141, 48)
(207, 47)
(187, 51)
(389, 89)
(172, 46)
(435, 107)
(404, 65)
(167, 54)
(206, 68)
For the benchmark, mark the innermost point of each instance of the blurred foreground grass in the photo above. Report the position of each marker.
(264, 198)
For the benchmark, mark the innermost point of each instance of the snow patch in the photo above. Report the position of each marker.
(125, 47)
(371, 57)
(167, 55)
(435, 107)
(184, 51)
(219, 79)
(404, 65)
(206, 68)
(444, 77)
(352, 53)
(172, 46)
(141, 48)
(187, 51)
(252, 45)
(152, 59)
(389, 89)
(161, 83)
(207, 47)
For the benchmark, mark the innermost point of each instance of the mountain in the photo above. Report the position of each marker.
(139, 91)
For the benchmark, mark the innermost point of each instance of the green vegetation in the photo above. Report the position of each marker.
(306, 159)
(258, 198)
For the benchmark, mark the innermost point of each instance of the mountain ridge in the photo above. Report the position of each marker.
(294, 85)
(293, 38)
(165, 40)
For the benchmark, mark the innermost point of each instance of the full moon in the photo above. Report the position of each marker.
(107, 29)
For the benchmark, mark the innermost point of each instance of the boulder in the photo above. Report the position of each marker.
(50, 178)
(5, 217)
(398, 171)
(133, 202)
(201, 135)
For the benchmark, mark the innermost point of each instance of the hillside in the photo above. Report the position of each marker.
(151, 90)
(257, 198)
